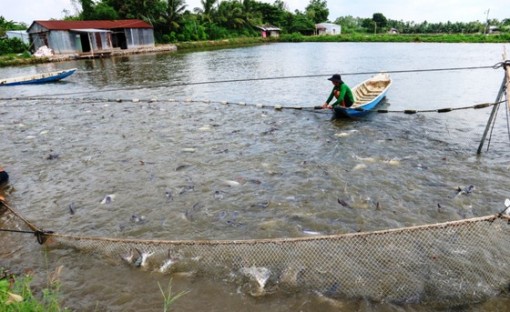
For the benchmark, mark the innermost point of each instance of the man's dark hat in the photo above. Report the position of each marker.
(335, 78)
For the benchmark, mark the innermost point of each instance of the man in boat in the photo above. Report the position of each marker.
(341, 92)
(4, 178)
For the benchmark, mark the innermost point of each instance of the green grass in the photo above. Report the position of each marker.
(20, 59)
(168, 297)
(441, 38)
(16, 294)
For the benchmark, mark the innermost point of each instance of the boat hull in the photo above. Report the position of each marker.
(369, 94)
(38, 78)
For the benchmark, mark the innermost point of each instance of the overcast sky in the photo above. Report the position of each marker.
(405, 10)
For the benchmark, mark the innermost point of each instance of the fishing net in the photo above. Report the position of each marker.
(448, 263)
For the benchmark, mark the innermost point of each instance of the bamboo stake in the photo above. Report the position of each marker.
(507, 70)
(493, 113)
(503, 89)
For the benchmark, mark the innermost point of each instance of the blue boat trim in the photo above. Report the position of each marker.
(371, 91)
(38, 78)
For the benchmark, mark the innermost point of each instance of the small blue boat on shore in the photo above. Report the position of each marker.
(368, 94)
(38, 78)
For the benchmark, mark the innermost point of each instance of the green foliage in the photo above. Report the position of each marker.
(294, 37)
(317, 11)
(221, 19)
(215, 32)
(19, 297)
(10, 25)
(300, 23)
(13, 45)
(191, 31)
(105, 12)
(168, 297)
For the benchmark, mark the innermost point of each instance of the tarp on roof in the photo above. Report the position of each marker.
(90, 30)
(103, 24)
(268, 28)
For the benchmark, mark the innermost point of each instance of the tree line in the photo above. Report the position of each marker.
(219, 19)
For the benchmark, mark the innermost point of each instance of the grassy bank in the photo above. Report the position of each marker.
(23, 59)
(16, 293)
(20, 59)
(219, 44)
(441, 38)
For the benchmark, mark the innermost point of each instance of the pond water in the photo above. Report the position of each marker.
(194, 168)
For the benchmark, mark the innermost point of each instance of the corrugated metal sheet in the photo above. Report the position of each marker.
(105, 24)
(90, 30)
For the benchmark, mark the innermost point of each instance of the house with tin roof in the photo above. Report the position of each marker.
(269, 31)
(91, 37)
(328, 29)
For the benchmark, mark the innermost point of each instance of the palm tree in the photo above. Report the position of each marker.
(174, 11)
(208, 5)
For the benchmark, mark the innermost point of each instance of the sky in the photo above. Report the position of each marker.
(432, 11)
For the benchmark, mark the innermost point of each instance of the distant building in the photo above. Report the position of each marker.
(393, 31)
(269, 31)
(20, 34)
(493, 29)
(328, 29)
(90, 37)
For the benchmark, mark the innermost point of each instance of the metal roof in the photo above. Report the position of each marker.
(90, 30)
(104, 24)
(268, 28)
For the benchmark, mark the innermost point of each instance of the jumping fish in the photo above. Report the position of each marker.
(393, 161)
(365, 159)
(52, 156)
(182, 167)
(260, 274)
(218, 195)
(359, 167)
(138, 219)
(129, 256)
(345, 133)
(72, 208)
(141, 261)
(309, 232)
(167, 264)
(343, 203)
(108, 199)
(168, 195)
(186, 189)
(291, 276)
(466, 191)
(231, 183)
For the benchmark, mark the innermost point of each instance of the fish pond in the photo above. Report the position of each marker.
(188, 146)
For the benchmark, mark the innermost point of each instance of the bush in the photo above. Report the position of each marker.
(14, 45)
(16, 294)
(294, 37)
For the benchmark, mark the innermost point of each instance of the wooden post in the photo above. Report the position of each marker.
(506, 65)
(504, 89)
(493, 113)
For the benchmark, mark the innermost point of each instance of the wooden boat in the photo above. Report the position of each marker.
(368, 95)
(38, 78)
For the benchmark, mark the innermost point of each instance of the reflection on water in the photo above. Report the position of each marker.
(192, 170)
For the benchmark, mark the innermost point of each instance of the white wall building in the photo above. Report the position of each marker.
(328, 29)
(20, 34)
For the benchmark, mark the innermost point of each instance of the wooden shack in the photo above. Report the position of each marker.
(269, 31)
(328, 29)
(90, 37)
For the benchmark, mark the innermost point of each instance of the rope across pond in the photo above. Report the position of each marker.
(451, 263)
(72, 101)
